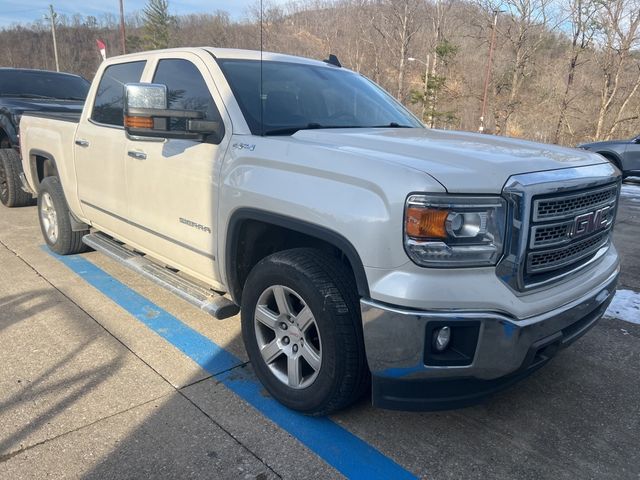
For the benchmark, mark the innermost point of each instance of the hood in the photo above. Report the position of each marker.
(462, 162)
(18, 106)
(610, 143)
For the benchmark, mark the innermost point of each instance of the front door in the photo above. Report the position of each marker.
(172, 185)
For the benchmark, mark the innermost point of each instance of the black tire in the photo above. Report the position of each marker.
(328, 289)
(11, 193)
(66, 242)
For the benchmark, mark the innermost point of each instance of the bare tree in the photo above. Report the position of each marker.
(619, 23)
(397, 24)
(581, 17)
(527, 27)
(620, 116)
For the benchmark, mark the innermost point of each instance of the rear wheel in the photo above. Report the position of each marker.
(55, 223)
(302, 329)
(11, 193)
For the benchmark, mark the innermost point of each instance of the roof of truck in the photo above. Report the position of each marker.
(234, 53)
(256, 55)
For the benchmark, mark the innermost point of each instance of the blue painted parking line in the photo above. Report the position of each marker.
(341, 449)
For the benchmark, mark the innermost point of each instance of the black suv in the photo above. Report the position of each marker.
(23, 90)
(624, 154)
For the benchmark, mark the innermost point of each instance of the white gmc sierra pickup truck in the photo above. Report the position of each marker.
(362, 248)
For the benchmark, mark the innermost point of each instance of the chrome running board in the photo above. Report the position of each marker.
(211, 302)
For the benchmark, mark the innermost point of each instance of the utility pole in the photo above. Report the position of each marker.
(488, 74)
(52, 17)
(123, 37)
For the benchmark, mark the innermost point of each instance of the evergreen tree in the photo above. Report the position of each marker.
(157, 24)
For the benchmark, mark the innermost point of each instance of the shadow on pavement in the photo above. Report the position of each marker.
(17, 307)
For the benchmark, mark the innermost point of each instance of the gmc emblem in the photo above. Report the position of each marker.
(590, 222)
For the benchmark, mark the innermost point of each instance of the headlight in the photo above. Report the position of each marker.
(454, 231)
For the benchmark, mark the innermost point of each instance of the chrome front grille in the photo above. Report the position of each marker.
(572, 205)
(547, 235)
(547, 260)
(560, 222)
(568, 228)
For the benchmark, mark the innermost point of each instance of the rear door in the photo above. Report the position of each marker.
(172, 186)
(99, 148)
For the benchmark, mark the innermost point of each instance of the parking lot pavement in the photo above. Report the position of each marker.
(70, 389)
(626, 234)
(91, 385)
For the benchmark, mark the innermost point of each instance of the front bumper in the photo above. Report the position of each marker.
(506, 350)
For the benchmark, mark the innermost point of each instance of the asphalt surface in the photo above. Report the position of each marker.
(88, 390)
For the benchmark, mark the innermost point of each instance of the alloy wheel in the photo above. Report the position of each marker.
(288, 337)
(49, 217)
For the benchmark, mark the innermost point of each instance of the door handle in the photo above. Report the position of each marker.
(82, 143)
(137, 155)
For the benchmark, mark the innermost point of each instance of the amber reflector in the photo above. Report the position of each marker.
(426, 222)
(138, 122)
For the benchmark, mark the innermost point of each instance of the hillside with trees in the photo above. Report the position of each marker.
(564, 71)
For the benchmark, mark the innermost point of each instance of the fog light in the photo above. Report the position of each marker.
(441, 338)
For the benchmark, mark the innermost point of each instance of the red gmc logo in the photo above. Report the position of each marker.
(591, 222)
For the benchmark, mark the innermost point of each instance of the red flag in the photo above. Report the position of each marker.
(103, 49)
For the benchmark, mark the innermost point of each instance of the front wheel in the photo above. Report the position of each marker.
(55, 222)
(302, 329)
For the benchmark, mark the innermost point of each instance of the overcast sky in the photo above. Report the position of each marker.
(27, 11)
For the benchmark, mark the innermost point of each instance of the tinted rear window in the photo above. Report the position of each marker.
(33, 84)
(109, 102)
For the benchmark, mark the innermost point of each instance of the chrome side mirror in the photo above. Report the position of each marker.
(146, 116)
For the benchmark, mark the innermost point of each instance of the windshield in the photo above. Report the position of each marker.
(300, 96)
(35, 84)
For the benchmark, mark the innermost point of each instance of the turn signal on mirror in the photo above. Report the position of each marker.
(138, 122)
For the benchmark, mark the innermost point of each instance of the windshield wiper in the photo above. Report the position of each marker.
(292, 130)
(314, 126)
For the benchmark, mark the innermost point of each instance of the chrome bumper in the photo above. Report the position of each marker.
(395, 338)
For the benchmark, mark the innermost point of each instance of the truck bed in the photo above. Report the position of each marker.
(73, 117)
(50, 135)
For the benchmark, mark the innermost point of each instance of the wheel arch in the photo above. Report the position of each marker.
(613, 157)
(252, 234)
(8, 133)
(39, 167)
(5, 139)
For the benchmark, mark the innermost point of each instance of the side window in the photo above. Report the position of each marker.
(187, 90)
(109, 102)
